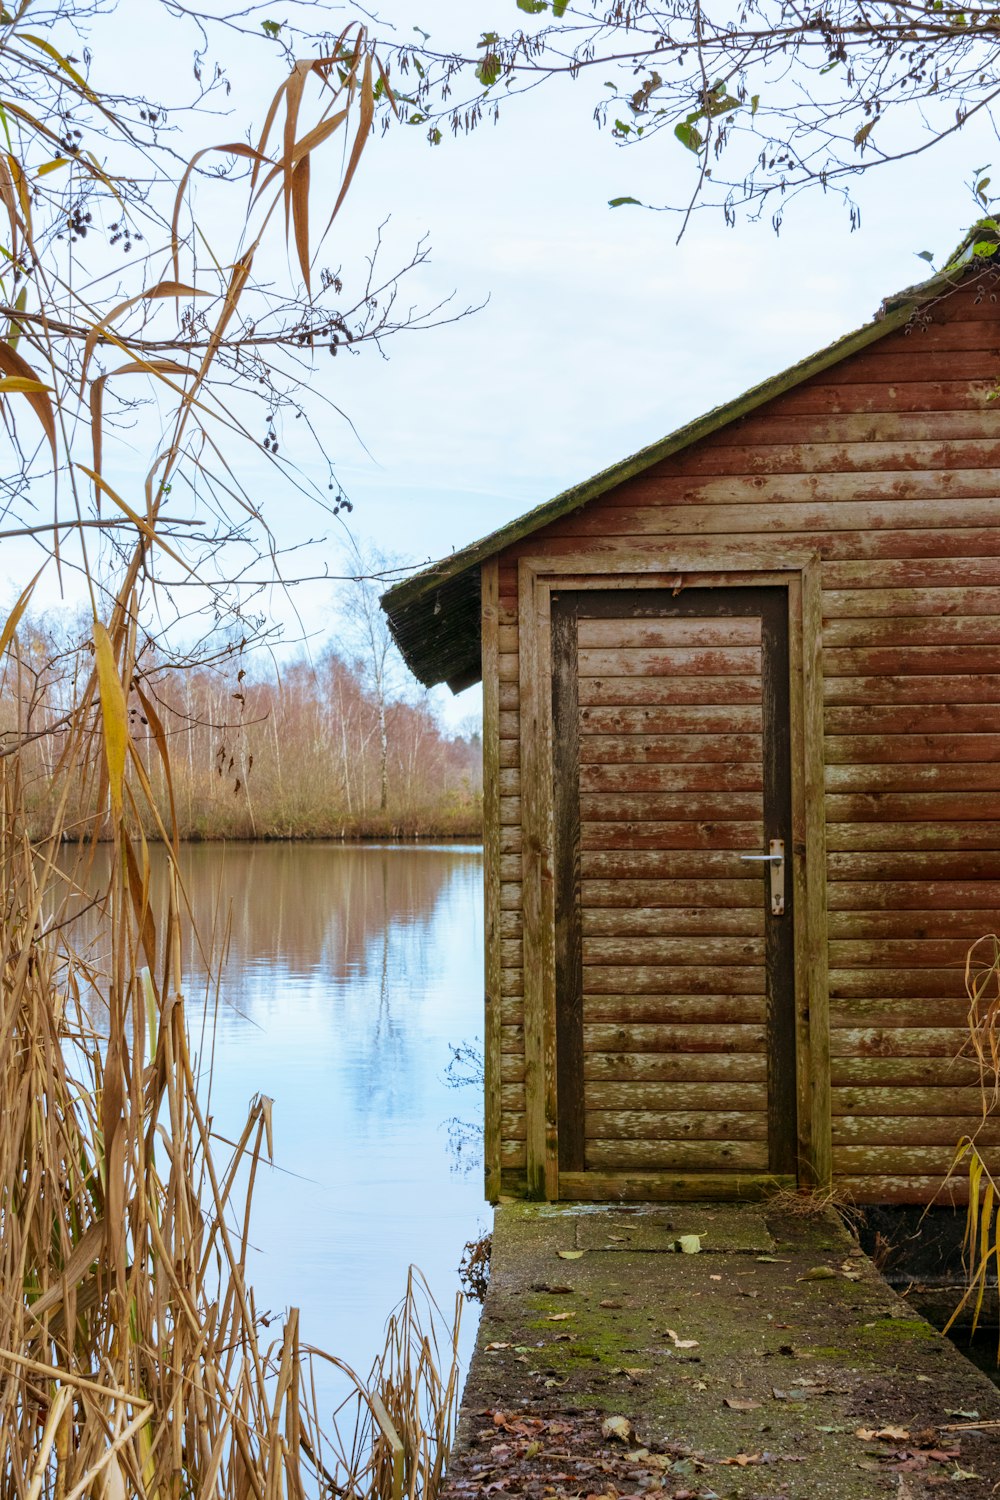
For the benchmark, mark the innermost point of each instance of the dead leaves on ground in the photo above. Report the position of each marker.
(594, 1458)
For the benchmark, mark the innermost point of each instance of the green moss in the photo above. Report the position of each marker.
(897, 1330)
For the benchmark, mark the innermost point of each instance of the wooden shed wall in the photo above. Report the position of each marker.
(887, 466)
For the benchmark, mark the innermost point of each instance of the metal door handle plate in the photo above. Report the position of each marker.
(776, 859)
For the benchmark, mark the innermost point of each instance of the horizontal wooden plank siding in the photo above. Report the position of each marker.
(886, 468)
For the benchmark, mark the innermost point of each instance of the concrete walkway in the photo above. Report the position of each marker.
(710, 1351)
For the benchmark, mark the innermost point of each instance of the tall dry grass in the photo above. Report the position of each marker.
(981, 1245)
(132, 1360)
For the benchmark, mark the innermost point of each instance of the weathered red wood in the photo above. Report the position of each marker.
(904, 983)
(891, 953)
(721, 507)
(730, 894)
(700, 950)
(837, 457)
(667, 1127)
(666, 1009)
(679, 1040)
(665, 1067)
(663, 921)
(916, 396)
(670, 749)
(686, 980)
(611, 634)
(913, 573)
(690, 835)
(876, 1009)
(671, 719)
(689, 661)
(646, 1095)
(918, 630)
(915, 864)
(678, 1156)
(708, 868)
(863, 1130)
(909, 749)
(914, 895)
(964, 924)
(898, 1042)
(902, 1072)
(749, 544)
(904, 362)
(914, 718)
(706, 692)
(667, 778)
(909, 601)
(902, 806)
(738, 797)
(849, 429)
(947, 688)
(935, 1102)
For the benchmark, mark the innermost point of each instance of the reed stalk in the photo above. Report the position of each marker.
(132, 1362)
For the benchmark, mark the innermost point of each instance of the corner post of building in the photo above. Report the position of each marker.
(819, 1166)
(493, 1034)
(538, 888)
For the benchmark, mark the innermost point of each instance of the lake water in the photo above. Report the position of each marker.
(351, 972)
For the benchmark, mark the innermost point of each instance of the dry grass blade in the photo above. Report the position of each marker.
(133, 1358)
(981, 1245)
(35, 390)
(133, 1362)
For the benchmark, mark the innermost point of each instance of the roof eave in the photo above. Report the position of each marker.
(404, 598)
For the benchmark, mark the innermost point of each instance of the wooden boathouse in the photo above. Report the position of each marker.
(742, 768)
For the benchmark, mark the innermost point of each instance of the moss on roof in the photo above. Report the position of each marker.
(434, 615)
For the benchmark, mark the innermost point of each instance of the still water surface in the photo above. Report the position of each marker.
(350, 973)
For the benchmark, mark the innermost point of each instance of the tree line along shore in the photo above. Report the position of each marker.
(325, 747)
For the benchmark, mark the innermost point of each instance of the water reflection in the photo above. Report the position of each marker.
(349, 973)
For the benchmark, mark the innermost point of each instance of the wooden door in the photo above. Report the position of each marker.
(675, 1029)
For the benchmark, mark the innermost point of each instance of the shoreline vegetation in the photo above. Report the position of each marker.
(323, 749)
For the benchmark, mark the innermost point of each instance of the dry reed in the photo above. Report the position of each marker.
(981, 1244)
(132, 1362)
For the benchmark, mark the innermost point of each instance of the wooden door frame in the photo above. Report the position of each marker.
(799, 574)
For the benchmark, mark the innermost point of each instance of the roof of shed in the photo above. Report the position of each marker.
(434, 615)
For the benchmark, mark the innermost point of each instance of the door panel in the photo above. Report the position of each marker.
(671, 765)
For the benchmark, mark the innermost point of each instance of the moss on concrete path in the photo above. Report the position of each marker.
(772, 1364)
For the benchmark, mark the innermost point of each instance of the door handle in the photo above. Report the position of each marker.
(776, 859)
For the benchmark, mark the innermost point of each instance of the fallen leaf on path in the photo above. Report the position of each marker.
(619, 1428)
(967, 1416)
(740, 1403)
(689, 1244)
(497, 1344)
(883, 1434)
(678, 1342)
(553, 1291)
(559, 1317)
(819, 1273)
(570, 1254)
(608, 1303)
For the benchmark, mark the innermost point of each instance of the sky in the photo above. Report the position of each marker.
(595, 332)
